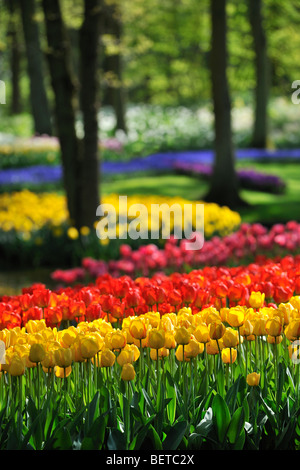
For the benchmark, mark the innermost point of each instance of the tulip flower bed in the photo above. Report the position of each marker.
(42, 150)
(202, 360)
(34, 227)
(249, 243)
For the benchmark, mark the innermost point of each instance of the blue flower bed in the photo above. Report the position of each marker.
(248, 178)
(169, 161)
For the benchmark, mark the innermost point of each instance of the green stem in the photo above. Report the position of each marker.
(65, 393)
(127, 415)
(20, 411)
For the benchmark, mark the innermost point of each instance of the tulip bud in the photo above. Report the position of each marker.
(274, 327)
(216, 330)
(163, 352)
(201, 333)
(156, 339)
(230, 338)
(193, 348)
(256, 299)
(63, 357)
(182, 335)
(107, 358)
(126, 356)
(37, 352)
(16, 366)
(229, 355)
(253, 379)
(118, 340)
(128, 372)
(89, 347)
(236, 316)
(138, 329)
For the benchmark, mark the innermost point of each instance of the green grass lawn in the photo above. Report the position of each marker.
(263, 207)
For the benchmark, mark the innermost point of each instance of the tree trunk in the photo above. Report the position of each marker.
(38, 96)
(115, 96)
(64, 90)
(89, 99)
(224, 183)
(260, 131)
(15, 59)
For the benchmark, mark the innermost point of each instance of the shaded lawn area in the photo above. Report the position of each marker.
(264, 208)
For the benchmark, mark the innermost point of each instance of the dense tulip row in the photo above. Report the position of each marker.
(117, 298)
(246, 244)
(164, 344)
(26, 213)
(27, 152)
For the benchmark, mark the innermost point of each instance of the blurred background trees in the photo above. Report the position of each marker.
(152, 52)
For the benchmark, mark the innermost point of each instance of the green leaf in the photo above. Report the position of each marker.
(87, 444)
(221, 417)
(116, 440)
(269, 412)
(175, 436)
(148, 402)
(281, 381)
(62, 440)
(195, 441)
(170, 393)
(236, 425)
(140, 436)
(245, 405)
(240, 442)
(155, 438)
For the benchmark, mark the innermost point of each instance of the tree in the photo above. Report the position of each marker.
(89, 102)
(260, 131)
(113, 62)
(79, 159)
(15, 58)
(224, 182)
(38, 97)
(58, 55)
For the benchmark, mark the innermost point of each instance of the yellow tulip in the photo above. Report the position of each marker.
(229, 355)
(63, 372)
(253, 379)
(107, 358)
(193, 348)
(292, 331)
(37, 352)
(201, 333)
(128, 372)
(236, 316)
(274, 327)
(259, 327)
(170, 342)
(274, 339)
(246, 329)
(256, 299)
(230, 338)
(162, 352)
(117, 339)
(216, 330)
(133, 348)
(63, 357)
(182, 335)
(156, 339)
(138, 329)
(126, 356)
(16, 366)
(89, 347)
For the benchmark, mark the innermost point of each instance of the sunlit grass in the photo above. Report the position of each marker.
(263, 207)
